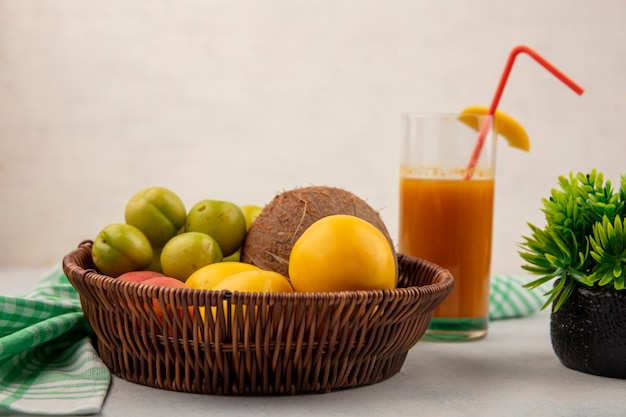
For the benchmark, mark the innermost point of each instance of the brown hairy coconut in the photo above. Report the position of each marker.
(272, 235)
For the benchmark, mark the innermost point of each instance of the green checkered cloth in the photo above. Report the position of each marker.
(47, 362)
(507, 298)
(49, 366)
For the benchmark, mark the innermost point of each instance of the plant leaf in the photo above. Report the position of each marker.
(584, 239)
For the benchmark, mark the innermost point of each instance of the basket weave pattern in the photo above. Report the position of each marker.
(231, 343)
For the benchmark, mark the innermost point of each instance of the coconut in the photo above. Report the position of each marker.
(274, 232)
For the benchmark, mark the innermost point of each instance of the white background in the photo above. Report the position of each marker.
(242, 99)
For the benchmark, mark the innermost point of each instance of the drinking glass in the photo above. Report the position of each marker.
(446, 214)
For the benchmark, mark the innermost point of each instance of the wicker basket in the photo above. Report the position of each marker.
(287, 344)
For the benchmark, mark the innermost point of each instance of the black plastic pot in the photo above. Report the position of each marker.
(589, 332)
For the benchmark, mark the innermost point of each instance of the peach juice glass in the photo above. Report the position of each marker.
(446, 218)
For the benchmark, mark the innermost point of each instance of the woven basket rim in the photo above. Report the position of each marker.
(445, 282)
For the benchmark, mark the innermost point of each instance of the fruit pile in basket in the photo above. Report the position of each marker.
(312, 239)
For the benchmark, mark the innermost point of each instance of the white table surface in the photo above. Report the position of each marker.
(513, 372)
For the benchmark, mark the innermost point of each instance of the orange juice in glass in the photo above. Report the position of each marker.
(446, 216)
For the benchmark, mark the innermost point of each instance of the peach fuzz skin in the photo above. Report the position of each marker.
(139, 276)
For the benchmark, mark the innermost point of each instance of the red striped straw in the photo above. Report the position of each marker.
(496, 98)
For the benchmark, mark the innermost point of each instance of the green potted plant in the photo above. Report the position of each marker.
(582, 250)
